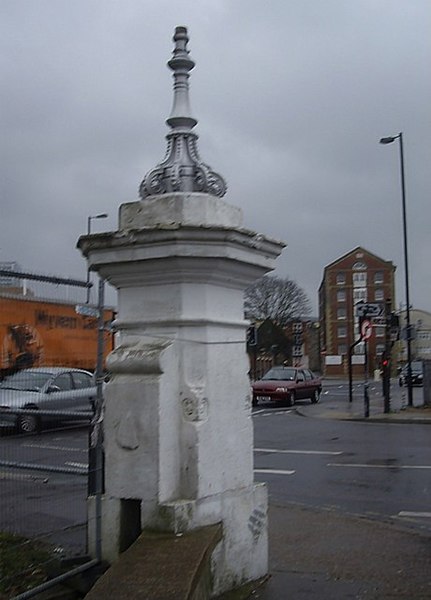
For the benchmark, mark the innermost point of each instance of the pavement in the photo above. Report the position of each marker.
(335, 404)
(320, 553)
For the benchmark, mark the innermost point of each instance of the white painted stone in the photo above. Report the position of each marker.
(191, 208)
(178, 430)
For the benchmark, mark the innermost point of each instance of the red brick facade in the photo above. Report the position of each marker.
(358, 275)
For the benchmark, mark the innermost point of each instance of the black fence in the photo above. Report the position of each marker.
(51, 449)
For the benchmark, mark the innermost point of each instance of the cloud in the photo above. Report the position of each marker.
(291, 97)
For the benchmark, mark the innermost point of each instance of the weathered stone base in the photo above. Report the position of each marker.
(241, 555)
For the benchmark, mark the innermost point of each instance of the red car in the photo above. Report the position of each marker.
(287, 384)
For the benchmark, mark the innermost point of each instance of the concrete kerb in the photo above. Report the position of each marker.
(344, 411)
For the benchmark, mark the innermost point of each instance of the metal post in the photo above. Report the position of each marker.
(89, 219)
(389, 140)
(366, 395)
(88, 268)
(386, 360)
(96, 457)
(350, 368)
(406, 272)
(99, 466)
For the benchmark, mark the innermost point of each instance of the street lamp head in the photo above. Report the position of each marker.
(101, 216)
(388, 140)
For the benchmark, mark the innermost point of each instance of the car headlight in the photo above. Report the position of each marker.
(281, 389)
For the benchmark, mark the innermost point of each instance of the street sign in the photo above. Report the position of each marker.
(379, 321)
(86, 311)
(366, 329)
(369, 310)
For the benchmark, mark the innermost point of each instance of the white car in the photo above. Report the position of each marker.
(45, 389)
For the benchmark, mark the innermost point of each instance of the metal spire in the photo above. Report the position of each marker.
(182, 169)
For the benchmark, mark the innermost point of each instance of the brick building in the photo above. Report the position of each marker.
(356, 276)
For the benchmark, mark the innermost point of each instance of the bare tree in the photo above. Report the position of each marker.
(275, 298)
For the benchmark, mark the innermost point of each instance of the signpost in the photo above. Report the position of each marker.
(366, 333)
(87, 311)
(364, 309)
(366, 329)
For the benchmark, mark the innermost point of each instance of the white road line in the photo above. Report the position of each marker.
(77, 464)
(47, 447)
(274, 451)
(22, 477)
(274, 471)
(268, 412)
(359, 466)
(411, 513)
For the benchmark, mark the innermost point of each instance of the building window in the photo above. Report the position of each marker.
(341, 313)
(342, 349)
(341, 332)
(297, 327)
(341, 278)
(359, 279)
(359, 266)
(297, 351)
(359, 294)
(378, 277)
(341, 295)
(380, 331)
(380, 348)
(423, 335)
(379, 294)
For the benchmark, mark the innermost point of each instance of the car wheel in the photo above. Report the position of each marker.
(401, 382)
(28, 423)
(254, 401)
(290, 399)
(316, 396)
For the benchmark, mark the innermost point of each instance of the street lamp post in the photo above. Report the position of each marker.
(89, 219)
(389, 140)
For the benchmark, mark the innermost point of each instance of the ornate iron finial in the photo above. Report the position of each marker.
(182, 169)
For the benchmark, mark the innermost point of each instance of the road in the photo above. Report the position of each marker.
(382, 471)
(44, 503)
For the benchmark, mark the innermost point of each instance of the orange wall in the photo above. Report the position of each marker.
(48, 333)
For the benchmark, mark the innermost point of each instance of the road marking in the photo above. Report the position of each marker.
(22, 477)
(47, 447)
(268, 412)
(274, 471)
(410, 513)
(77, 464)
(359, 466)
(274, 451)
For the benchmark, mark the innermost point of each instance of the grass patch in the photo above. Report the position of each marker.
(24, 564)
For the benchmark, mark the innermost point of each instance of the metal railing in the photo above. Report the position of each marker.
(46, 476)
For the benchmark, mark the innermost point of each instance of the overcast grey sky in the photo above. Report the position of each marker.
(292, 97)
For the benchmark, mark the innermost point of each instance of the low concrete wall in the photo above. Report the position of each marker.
(161, 566)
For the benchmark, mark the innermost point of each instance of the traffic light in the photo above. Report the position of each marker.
(385, 360)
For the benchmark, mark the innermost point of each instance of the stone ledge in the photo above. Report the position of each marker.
(162, 566)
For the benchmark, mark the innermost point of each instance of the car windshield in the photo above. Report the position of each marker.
(28, 381)
(280, 374)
